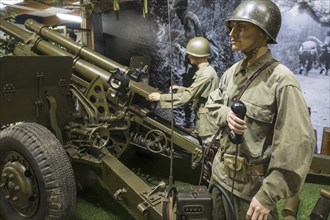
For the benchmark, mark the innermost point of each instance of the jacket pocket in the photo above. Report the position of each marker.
(205, 125)
(259, 121)
(218, 97)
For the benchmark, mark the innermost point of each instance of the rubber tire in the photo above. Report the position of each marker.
(51, 168)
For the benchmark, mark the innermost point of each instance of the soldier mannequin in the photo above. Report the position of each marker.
(205, 81)
(192, 28)
(325, 55)
(277, 149)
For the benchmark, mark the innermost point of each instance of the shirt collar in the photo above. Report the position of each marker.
(251, 69)
(200, 71)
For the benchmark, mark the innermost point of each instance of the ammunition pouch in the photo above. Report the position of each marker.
(243, 169)
(209, 153)
(241, 173)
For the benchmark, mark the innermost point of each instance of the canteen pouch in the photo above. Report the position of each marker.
(241, 174)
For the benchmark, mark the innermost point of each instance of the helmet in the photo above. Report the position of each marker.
(198, 47)
(263, 13)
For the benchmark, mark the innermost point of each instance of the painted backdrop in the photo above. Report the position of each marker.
(162, 35)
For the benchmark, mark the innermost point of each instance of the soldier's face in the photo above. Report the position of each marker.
(193, 59)
(244, 35)
(196, 60)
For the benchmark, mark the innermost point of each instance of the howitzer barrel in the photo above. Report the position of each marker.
(74, 47)
(15, 31)
(87, 70)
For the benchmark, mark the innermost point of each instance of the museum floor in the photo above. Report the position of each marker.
(95, 203)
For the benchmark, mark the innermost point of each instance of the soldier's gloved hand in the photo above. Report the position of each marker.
(235, 124)
(155, 96)
(257, 211)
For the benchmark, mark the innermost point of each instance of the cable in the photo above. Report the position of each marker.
(235, 164)
(228, 200)
(165, 203)
(171, 80)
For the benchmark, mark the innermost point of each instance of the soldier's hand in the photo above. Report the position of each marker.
(235, 124)
(174, 89)
(155, 96)
(257, 211)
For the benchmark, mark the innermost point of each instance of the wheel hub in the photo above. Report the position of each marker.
(17, 184)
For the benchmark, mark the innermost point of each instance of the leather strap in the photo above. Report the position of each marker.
(255, 74)
(247, 83)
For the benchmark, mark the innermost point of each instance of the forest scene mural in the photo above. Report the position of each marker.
(165, 30)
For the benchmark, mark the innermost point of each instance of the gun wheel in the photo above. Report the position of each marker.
(155, 141)
(37, 179)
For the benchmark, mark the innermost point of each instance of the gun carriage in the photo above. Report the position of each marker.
(64, 104)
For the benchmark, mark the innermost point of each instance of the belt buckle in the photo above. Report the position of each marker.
(251, 168)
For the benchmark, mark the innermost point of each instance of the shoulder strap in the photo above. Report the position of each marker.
(255, 74)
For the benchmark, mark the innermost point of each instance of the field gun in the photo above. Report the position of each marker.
(67, 105)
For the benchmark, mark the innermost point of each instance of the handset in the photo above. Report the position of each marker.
(239, 108)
